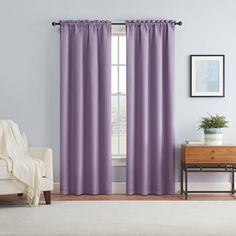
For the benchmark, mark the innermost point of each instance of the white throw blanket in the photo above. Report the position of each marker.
(14, 149)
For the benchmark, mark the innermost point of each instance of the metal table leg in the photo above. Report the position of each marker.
(232, 180)
(181, 179)
(186, 182)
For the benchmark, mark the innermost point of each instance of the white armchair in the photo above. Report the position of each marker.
(10, 185)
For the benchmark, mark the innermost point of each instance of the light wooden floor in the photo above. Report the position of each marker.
(115, 197)
(120, 197)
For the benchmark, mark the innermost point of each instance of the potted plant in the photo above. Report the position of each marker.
(212, 126)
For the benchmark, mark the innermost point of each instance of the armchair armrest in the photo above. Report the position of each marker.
(44, 154)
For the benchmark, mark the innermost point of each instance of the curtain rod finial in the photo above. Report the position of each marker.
(54, 23)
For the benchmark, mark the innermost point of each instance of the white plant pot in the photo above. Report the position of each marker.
(213, 136)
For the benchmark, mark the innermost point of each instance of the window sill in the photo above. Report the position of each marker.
(118, 161)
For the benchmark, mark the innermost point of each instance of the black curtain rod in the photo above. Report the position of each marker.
(114, 23)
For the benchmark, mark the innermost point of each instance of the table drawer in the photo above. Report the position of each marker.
(210, 150)
(209, 158)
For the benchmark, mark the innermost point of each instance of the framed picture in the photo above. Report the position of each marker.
(207, 75)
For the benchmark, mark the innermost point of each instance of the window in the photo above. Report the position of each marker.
(118, 71)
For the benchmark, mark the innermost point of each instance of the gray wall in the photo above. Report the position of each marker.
(29, 61)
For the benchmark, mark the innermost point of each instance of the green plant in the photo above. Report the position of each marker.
(213, 122)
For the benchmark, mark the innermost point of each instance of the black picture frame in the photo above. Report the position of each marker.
(193, 76)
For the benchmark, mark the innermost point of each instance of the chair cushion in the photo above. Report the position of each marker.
(4, 174)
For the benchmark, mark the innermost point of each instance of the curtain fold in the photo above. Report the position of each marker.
(85, 107)
(150, 93)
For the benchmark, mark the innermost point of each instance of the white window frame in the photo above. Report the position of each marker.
(119, 30)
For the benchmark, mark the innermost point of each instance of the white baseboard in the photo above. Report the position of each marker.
(120, 187)
(208, 186)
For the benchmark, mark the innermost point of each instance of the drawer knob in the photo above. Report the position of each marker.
(212, 158)
(213, 151)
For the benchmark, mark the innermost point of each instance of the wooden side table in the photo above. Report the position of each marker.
(205, 158)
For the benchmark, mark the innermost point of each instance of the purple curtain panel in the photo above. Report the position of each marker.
(85, 107)
(150, 93)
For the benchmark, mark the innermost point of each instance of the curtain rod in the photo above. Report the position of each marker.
(117, 23)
